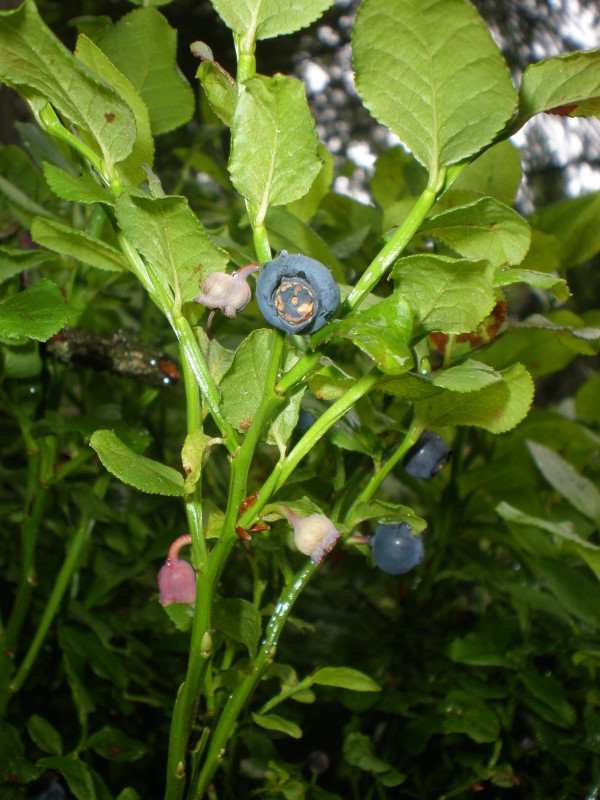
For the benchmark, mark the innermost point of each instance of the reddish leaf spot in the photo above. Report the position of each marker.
(169, 369)
(109, 116)
(562, 111)
(245, 424)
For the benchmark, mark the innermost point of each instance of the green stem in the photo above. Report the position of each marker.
(228, 720)
(193, 503)
(261, 243)
(62, 582)
(35, 506)
(284, 468)
(388, 254)
(54, 126)
(207, 580)
(381, 474)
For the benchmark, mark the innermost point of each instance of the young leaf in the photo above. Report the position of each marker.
(345, 678)
(273, 722)
(82, 189)
(430, 72)
(538, 280)
(142, 46)
(171, 238)
(195, 453)
(264, 19)
(446, 294)
(38, 313)
(135, 470)
(33, 61)
(483, 230)
(274, 157)
(70, 242)
(564, 478)
(130, 169)
(220, 88)
(496, 408)
(568, 85)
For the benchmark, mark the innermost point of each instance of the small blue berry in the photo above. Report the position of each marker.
(395, 549)
(427, 457)
(296, 294)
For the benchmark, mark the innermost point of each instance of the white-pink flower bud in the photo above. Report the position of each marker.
(314, 535)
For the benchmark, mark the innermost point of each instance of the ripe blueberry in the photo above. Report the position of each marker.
(426, 458)
(395, 549)
(296, 293)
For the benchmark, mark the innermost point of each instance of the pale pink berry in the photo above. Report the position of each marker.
(227, 293)
(314, 535)
(177, 578)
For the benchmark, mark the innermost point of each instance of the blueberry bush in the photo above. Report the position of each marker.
(236, 558)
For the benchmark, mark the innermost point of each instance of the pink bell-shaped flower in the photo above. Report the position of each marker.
(176, 578)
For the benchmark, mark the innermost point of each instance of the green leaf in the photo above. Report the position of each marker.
(115, 745)
(128, 793)
(573, 224)
(345, 678)
(358, 752)
(242, 387)
(217, 357)
(274, 157)
(13, 766)
(430, 72)
(485, 229)
(130, 170)
(82, 189)
(171, 238)
(33, 61)
(273, 722)
(220, 89)
(497, 408)
(138, 471)
(564, 478)
(546, 696)
(588, 551)
(383, 511)
(497, 171)
(289, 232)
(307, 206)
(77, 774)
(568, 85)
(382, 331)
(542, 255)
(477, 651)
(13, 260)
(264, 19)
(143, 46)
(195, 454)
(446, 294)
(45, 735)
(397, 176)
(470, 376)
(543, 345)
(70, 242)
(38, 313)
(586, 400)
(239, 620)
(466, 713)
(538, 280)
